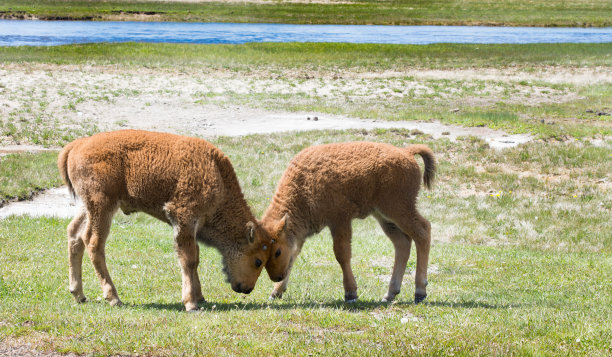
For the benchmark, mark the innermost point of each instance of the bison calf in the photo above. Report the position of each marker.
(185, 182)
(329, 186)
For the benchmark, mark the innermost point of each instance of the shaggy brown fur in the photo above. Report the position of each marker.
(329, 186)
(186, 182)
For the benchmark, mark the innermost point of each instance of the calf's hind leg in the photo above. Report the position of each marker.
(421, 233)
(99, 219)
(401, 243)
(76, 248)
(411, 223)
(419, 229)
(342, 249)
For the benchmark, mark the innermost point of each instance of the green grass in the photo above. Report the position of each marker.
(24, 174)
(525, 272)
(320, 56)
(402, 12)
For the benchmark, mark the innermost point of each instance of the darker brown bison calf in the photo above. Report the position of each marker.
(329, 186)
(185, 182)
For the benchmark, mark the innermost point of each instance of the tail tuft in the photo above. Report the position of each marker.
(428, 159)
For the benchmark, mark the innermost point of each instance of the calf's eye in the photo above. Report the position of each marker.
(278, 252)
(258, 263)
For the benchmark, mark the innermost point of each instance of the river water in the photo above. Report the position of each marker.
(50, 33)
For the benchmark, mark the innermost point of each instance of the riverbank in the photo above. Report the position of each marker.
(581, 13)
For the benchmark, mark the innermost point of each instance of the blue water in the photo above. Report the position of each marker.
(50, 33)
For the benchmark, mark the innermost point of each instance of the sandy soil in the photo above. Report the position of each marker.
(208, 103)
(110, 98)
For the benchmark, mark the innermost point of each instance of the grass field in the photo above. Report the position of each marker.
(402, 12)
(337, 57)
(522, 253)
(520, 266)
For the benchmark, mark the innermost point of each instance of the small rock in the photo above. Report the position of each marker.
(315, 118)
(445, 133)
(455, 110)
(308, 118)
(590, 111)
(603, 113)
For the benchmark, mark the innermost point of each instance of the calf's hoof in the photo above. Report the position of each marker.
(419, 298)
(115, 302)
(80, 298)
(191, 307)
(350, 297)
(389, 297)
(275, 295)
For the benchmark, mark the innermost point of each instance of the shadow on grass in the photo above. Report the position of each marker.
(337, 304)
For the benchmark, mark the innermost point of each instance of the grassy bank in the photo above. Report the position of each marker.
(518, 231)
(24, 174)
(440, 12)
(317, 56)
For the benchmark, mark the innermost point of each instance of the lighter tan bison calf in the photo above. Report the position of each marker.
(185, 182)
(329, 186)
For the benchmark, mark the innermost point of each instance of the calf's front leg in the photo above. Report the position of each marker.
(187, 251)
(342, 249)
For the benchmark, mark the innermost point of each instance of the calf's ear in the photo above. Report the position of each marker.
(283, 224)
(250, 232)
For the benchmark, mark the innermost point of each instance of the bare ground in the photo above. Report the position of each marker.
(65, 97)
(203, 102)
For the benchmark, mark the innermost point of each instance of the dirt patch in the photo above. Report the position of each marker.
(41, 98)
(55, 202)
(62, 98)
(203, 102)
(12, 149)
(11, 347)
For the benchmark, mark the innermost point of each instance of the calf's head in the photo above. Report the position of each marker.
(243, 264)
(283, 248)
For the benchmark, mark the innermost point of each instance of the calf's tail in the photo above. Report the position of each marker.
(428, 159)
(62, 165)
